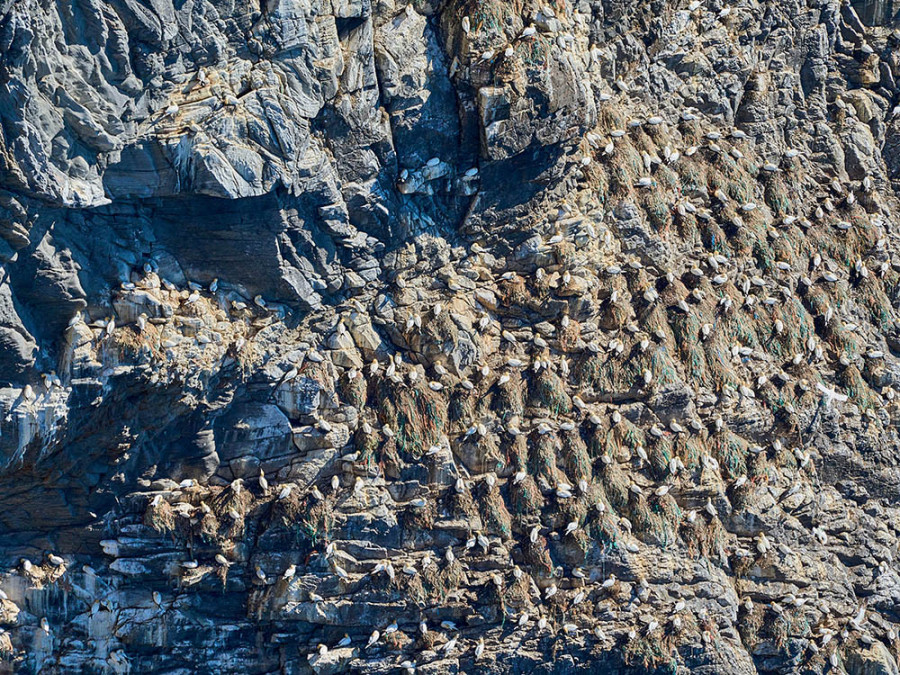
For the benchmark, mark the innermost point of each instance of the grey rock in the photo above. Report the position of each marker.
(293, 290)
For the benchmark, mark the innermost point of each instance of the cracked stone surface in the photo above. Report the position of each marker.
(449, 336)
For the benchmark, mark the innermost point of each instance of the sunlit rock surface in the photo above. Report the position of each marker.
(449, 336)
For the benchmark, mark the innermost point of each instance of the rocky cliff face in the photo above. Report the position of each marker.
(448, 336)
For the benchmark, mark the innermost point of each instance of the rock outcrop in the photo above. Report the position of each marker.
(449, 336)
